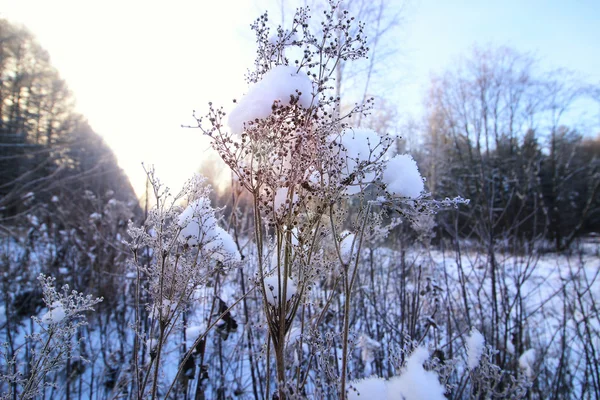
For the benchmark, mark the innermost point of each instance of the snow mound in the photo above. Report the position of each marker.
(414, 383)
(277, 85)
(402, 177)
(369, 388)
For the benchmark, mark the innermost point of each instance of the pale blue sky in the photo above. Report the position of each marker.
(560, 33)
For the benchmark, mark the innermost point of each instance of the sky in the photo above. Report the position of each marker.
(559, 33)
(138, 69)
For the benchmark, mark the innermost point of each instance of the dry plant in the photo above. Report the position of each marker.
(290, 146)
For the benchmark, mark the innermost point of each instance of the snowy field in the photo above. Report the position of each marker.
(411, 299)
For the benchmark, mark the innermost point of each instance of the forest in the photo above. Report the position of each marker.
(349, 256)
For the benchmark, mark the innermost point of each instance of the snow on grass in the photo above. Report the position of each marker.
(367, 346)
(194, 332)
(527, 362)
(414, 383)
(542, 281)
(273, 292)
(402, 177)
(510, 347)
(475, 344)
(278, 85)
(369, 388)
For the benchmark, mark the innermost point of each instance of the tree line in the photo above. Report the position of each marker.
(502, 133)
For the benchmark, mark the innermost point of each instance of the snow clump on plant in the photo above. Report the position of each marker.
(55, 314)
(359, 149)
(282, 84)
(199, 228)
(475, 344)
(414, 383)
(402, 177)
(273, 292)
(527, 362)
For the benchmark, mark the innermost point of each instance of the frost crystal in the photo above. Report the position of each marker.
(402, 177)
(278, 85)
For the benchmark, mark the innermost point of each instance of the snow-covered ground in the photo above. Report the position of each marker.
(546, 310)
